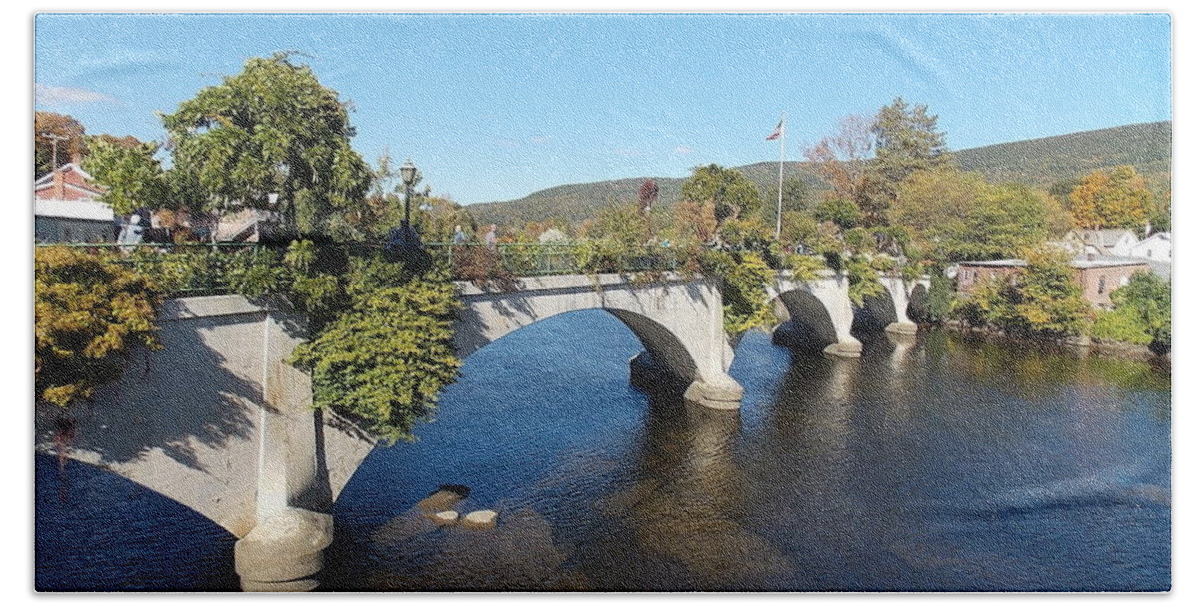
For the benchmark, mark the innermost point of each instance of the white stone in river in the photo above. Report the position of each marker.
(445, 518)
(480, 520)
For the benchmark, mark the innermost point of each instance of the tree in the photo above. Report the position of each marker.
(1119, 199)
(906, 141)
(88, 315)
(841, 159)
(795, 197)
(1148, 298)
(52, 133)
(840, 211)
(647, 195)
(273, 128)
(130, 173)
(1041, 300)
(732, 193)
(954, 215)
(799, 228)
(694, 222)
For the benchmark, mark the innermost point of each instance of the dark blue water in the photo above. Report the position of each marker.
(934, 464)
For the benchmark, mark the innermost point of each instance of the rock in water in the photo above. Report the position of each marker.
(480, 520)
(445, 518)
(441, 500)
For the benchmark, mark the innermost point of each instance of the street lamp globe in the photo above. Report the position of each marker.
(408, 173)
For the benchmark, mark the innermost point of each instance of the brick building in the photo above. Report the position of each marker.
(66, 209)
(1098, 277)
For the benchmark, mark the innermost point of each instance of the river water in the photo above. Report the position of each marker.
(936, 463)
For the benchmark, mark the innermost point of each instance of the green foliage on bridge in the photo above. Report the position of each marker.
(381, 345)
(387, 356)
(89, 315)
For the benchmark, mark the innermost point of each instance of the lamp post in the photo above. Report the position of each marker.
(408, 174)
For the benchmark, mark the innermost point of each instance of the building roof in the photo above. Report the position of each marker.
(65, 169)
(75, 184)
(1159, 236)
(1080, 262)
(72, 209)
(1106, 237)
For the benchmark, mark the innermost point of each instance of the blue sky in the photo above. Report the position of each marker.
(493, 107)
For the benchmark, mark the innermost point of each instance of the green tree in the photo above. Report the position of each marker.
(732, 193)
(132, 177)
(273, 128)
(795, 197)
(55, 133)
(906, 141)
(1160, 219)
(800, 228)
(840, 211)
(1148, 298)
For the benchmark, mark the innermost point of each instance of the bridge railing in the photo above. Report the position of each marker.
(182, 269)
(541, 259)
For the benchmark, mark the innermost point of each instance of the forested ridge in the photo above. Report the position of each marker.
(1040, 163)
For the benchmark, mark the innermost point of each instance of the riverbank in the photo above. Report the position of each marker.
(1083, 345)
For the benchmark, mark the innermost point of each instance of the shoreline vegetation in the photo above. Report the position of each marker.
(1081, 345)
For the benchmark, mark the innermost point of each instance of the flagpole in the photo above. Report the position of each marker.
(779, 203)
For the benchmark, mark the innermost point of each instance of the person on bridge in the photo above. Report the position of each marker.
(460, 237)
(490, 239)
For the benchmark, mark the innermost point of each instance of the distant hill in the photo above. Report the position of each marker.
(1035, 162)
(1041, 162)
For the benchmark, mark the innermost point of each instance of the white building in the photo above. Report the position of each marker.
(1156, 247)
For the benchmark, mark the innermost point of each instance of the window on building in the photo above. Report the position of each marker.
(1101, 290)
(1149, 253)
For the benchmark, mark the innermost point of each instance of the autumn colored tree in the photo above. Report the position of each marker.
(88, 315)
(1119, 199)
(53, 133)
(274, 128)
(695, 221)
(954, 215)
(647, 195)
(841, 159)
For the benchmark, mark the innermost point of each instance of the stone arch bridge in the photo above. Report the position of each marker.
(220, 423)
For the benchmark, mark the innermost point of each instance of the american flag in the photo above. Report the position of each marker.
(777, 132)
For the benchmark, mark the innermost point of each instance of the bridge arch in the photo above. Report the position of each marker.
(678, 321)
(814, 314)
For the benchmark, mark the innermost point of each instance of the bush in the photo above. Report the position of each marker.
(385, 360)
(1122, 324)
(1041, 300)
(1146, 303)
(89, 315)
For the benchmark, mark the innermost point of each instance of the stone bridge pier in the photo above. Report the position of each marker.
(219, 422)
(680, 322)
(819, 313)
